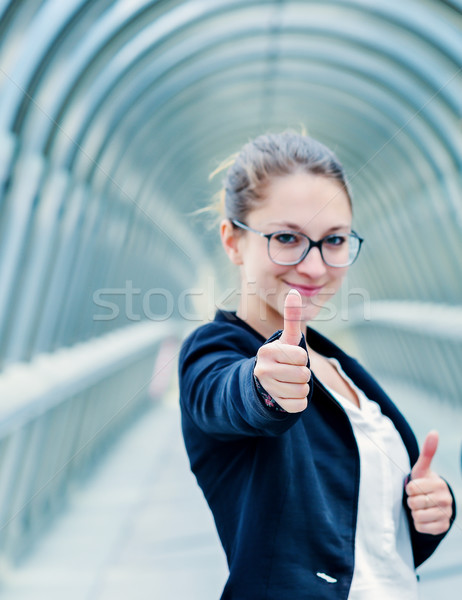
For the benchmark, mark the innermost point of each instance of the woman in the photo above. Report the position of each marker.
(301, 456)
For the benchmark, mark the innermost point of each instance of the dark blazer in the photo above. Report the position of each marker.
(283, 488)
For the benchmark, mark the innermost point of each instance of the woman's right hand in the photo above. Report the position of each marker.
(281, 365)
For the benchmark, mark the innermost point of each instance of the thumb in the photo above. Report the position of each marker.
(292, 333)
(422, 466)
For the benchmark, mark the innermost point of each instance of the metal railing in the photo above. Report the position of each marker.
(416, 342)
(60, 411)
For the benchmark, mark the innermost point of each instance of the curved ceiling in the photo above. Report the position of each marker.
(112, 115)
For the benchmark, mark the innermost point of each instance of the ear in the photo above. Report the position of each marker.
(230, 239)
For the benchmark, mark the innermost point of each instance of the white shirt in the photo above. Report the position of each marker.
(384, 566)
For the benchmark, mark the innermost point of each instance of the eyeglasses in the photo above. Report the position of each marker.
(291, 247)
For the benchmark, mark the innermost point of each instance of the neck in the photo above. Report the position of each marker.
(259, 315)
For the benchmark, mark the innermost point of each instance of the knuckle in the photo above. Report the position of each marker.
(258, 370)
(306, 373)
(302, 355)
(421, 527)
(297, 355)
(295, 405)
(411, 503)
(446, 501)
(262, 370)
(265, 350)
(411, 489)
(301, 376)
(437, 528)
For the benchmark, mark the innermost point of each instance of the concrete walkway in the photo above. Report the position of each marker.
(140, 528)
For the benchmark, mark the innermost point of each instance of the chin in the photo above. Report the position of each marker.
(311, 311)
(309, 316)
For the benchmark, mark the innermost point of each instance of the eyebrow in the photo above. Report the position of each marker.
(295, 227)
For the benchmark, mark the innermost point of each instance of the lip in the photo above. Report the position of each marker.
(305, 290)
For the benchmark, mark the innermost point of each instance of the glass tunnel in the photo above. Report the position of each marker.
(113, 115)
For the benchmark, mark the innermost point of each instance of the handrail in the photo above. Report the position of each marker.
(59, 411)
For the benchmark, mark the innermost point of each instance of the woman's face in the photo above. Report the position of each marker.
(311, 204)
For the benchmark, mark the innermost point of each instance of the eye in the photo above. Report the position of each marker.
(335, 240)
(287, 237)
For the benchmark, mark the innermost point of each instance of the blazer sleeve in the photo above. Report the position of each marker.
(218, 391)
(424, 544)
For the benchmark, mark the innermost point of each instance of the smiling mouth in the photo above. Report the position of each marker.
(305, 290)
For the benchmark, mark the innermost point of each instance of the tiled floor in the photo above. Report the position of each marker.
(140, 528)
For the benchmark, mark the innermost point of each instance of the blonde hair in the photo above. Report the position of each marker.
(250, 171)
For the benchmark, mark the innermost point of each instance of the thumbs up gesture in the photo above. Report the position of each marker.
(281, 365)
(428, 495)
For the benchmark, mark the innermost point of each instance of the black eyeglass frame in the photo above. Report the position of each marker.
(311, 244)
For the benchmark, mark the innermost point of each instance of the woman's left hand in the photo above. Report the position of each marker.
(428, 495)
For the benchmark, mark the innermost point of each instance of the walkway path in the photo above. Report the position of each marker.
(140, 528)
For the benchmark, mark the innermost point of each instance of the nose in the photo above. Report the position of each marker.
(312, 265)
